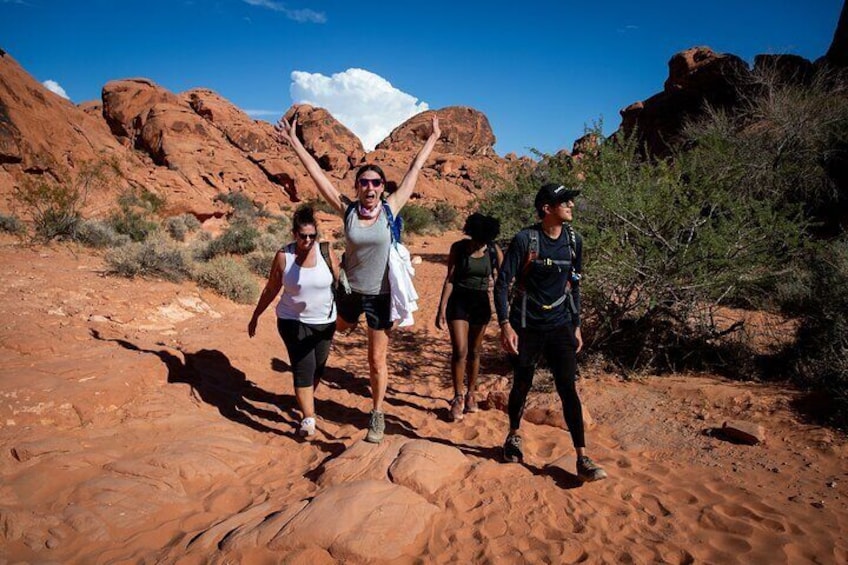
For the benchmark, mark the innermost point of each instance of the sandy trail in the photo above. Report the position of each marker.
(139, 423)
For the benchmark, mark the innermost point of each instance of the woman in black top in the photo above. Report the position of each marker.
(465, 307)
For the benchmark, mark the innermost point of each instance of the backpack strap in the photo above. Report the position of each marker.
(493, 259)
(324, 247)
(394, 224)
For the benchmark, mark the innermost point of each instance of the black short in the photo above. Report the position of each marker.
(377, 308)
(470, 305)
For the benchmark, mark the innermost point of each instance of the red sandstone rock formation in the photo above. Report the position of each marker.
(191, 146)
(697, 77)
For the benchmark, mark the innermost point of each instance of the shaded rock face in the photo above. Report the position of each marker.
(837, 54)
(697, 77)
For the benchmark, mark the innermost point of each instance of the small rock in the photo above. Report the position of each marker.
(818, 504)
(744, 432)
(51, 543)
(831, 484)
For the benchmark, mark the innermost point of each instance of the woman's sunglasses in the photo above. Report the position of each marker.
(305, 236)
(376, 183)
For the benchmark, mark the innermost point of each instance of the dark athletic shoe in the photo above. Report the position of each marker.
(376, 427)
(512, 449)
(456, 409)
(588, 471)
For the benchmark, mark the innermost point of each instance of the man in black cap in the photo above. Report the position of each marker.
(543, 318)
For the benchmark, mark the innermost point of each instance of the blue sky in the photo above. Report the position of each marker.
(540, 71)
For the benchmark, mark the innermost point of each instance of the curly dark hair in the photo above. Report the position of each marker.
(482, 228)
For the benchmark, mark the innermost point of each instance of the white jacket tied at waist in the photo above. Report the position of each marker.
(404, 297)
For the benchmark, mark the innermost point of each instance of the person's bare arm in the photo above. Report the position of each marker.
(398, 199)
(271, 291)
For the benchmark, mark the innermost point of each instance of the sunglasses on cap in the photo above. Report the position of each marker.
(305, 236)
(376, 183)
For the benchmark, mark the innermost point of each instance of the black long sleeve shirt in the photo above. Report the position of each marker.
(545, 284)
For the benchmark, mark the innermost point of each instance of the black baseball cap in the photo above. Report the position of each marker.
(553, 193)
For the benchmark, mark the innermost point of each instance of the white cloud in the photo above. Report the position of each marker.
(54, 87)
(364, 102)
(304, 15)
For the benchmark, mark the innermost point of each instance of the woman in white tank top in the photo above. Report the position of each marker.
(306, 311)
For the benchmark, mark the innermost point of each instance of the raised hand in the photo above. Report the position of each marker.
(436, 130)
(285, 131)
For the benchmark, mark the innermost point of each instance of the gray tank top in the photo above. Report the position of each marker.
(366, 258)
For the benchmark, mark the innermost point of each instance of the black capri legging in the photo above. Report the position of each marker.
(308, 346)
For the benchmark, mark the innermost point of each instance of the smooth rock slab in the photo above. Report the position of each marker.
(425, 466)
(365, 520)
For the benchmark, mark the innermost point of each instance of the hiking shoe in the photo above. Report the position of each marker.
(588, 471)
(512, 449)
(307, 427)
(376, 427)
(456, 408)
(471, 403)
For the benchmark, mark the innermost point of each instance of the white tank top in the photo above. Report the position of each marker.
(307, 291)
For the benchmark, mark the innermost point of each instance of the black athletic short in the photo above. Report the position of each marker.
(470, 305)
(377, 308)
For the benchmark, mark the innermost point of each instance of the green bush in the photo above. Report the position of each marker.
(229, 277)
(260, 262)
(242, 205)
(417, 219)
(136, 212)
(180, 226)
(239, 239)
(445, 216)
(155, 257)
(819, 360)
(100, 234)
(280, 226)
(12, 225)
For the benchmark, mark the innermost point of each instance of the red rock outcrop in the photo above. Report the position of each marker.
(697, 77)
(334, 146)
(189, 147)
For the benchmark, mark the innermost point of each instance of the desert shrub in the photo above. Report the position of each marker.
(242, 205)
(12, 225)
(229, 277)
(259, 262)
(818, 361)
(417, 219)
(280, 226)
(180, 226)
(136, 212)
(100, 234)
(512, 202)
(671, 242)
(445, 216)
(155, 257)
(271, 243)
(239, 239)
(55, 206)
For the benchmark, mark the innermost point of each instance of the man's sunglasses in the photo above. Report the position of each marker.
(307, 235)
(376, 183)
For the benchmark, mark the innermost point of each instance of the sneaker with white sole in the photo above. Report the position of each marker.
(376, 427)
(307, 427)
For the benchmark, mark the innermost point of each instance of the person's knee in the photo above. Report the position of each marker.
(459, 354)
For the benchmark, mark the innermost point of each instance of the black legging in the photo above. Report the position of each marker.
(559, 348)
(308, 346)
